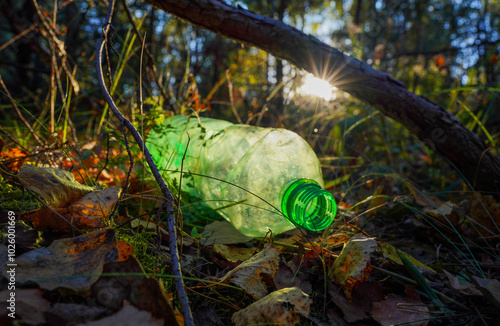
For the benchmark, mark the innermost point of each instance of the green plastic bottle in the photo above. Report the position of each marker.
(257, 178)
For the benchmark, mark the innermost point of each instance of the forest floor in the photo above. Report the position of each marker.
(75, 254)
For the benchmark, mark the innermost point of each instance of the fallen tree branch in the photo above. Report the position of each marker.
(433, 125)
(169, 200)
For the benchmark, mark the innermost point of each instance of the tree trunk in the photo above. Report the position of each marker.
(431, 123)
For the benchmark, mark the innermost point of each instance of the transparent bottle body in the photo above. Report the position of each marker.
(239, 170)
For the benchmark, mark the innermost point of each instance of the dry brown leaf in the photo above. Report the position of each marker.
(127, 316)
(337, 239)
(222, 232)
(444, 213)
(464, 288)
(87, 213)
(55, 219)
(233, 253)
(396, 309)
(421, 197)
(364, 294)
(286, 278)
(490, 288)
(56, 186)
(127, 282)
(275, 309)
(30, 306)
(72, 263)
(248, 276)
(95, 205)
(353, 264)
(352, 313)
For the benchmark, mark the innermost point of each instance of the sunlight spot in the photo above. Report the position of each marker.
(314, 86)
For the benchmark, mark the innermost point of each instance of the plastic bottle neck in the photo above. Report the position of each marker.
(307, 205)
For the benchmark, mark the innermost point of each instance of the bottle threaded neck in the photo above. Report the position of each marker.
(306, 204)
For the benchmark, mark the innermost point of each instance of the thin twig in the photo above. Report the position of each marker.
(231, 96)
(107, 159)
(18, 36)
(169, 200)
(19, 114)
(127, 181)
(60, 47)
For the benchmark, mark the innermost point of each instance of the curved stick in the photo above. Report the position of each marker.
(169, 200)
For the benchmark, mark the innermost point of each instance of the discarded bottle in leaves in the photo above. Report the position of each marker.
(256, 178)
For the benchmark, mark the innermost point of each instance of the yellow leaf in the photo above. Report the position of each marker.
(278, 308)
(353, 264)
(248, 275)
(95, 205)
(391, 253)
(222, 232)
(233, 253)
(56, 186)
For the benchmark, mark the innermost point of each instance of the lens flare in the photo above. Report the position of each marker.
(314, 86)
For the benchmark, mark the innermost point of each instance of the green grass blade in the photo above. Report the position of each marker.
(421, 281)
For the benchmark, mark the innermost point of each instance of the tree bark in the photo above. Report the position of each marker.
(431, 123)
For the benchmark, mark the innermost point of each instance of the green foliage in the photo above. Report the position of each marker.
(13, 198)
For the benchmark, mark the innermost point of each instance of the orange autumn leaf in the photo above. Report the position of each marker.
(95, 205)
(54, 220)
(71, 263)
(89, 212)
(125, 250)
(91, 161)
(79, 174)
(344, 206)
(440, 62)
(13, 158)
